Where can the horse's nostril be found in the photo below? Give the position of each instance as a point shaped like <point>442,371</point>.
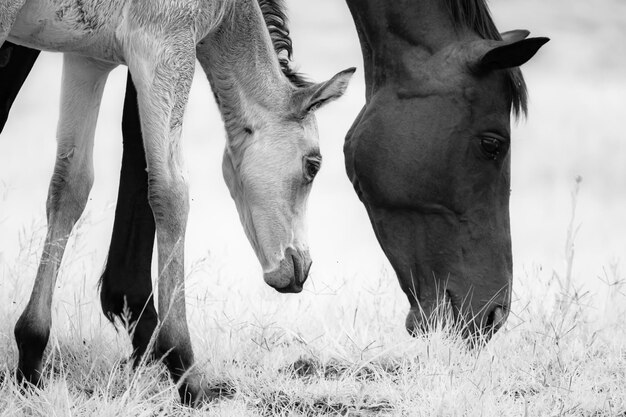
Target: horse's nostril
<point>496,319</point>
<point>448,307</point>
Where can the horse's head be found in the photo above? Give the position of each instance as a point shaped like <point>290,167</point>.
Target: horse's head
<point>269,166</point>
<point>429,158</point>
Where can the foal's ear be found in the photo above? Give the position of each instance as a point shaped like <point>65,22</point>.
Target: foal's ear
<point>312,98</point>
<point>510,53</point>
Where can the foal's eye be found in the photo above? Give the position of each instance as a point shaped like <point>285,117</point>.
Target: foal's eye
<point>312,166</point>
<point>492,147</point>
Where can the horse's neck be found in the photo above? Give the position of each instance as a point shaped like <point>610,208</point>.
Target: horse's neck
<point>388,30</point>
<point>240,62</point>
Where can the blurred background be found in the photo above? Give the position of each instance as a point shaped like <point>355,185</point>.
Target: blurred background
<point>577,87</point>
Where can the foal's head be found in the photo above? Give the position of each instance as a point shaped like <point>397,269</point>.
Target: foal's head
<point>272,154</point>
<point>269,166</point>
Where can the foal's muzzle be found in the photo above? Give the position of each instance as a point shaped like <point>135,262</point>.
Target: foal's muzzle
<point>291,273</point>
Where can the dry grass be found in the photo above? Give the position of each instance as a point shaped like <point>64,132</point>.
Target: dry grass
<point>340,347</point>
<point>561,353</point>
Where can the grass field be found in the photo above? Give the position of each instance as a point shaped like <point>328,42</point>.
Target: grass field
<point>340,347</point>
<point>339,352</point>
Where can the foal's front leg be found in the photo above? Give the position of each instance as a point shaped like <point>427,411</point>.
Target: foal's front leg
<point>162,73</point>
<point>83,83</point>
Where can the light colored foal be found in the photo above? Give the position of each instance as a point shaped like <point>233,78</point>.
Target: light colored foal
<point>272,141</point>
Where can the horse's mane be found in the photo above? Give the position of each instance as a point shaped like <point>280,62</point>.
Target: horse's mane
<point>475,15</point>
<point>276,22</point>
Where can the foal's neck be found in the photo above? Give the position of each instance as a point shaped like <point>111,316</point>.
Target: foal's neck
<point>242,66</point>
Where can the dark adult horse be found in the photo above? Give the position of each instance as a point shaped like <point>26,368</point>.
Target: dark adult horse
<point>429,153</point>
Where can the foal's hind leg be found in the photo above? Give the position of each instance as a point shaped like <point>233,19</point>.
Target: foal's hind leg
<point>126,282</point>
<point>83,83</point>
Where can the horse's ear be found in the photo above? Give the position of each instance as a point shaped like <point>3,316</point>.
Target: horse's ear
<point>312,98</point>
<point>510,54</point>
<point>515,35</point>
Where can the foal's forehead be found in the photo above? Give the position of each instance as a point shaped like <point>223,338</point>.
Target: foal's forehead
<point>309,127</point>
<point>300,134</point>
<point>302,131</point>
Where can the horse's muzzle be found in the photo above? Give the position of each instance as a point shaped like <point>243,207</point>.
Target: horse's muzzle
<point>291,273</point>
<point>477,329</point>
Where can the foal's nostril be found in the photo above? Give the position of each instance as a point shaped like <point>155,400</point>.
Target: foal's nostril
<point>301,266</point>
<point>297,270</point>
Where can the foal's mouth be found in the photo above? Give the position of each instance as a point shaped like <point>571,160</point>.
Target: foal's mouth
<point>295,285</point>
<point>300,274</point>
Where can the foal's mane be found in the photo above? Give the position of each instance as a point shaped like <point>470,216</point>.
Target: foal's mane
<point>475,15</point>
<point>277,24</point>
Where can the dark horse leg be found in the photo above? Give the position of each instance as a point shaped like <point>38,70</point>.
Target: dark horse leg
<point>15,65</point>
<point>126,284</point>
<point>126,287</point>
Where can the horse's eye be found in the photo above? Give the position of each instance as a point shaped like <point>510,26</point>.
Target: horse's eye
<point>492,147</point>
<point>312,166</point>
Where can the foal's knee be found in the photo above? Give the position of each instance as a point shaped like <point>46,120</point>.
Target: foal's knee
<point>70,185</point>
<point>168,195</point>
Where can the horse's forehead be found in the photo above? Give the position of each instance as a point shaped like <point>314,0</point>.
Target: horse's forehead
<point>423,106</point>
<point>460,94</point>
<point>423,134</point>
